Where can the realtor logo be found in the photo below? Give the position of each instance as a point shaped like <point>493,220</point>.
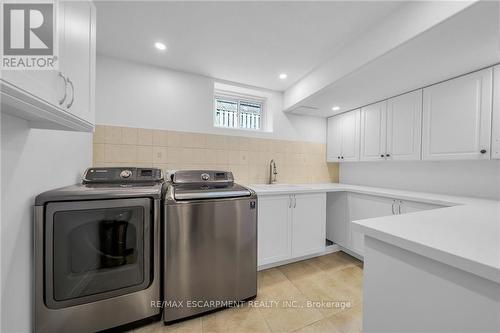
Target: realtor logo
<point>29,40</point>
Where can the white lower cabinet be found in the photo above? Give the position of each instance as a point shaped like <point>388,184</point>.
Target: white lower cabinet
<point>290,226</point>
<point>308,223</point>
<point>337,215</point>
<point>343,208</point>
<point>364,207</point>
<point>273,230</point>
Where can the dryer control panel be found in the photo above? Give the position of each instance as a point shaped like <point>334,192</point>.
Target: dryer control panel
<point>122,175</point>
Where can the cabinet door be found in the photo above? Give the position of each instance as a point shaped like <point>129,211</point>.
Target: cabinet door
<point>337,218</point>
<point>273,229</point>
<point>364,207</point>
<point>350,136</point>
<point>78,57</point>
<point>404,126</point>
<point>373,132</point>
<point>405,207</point>
<point>46,85</point>
<point>308,224</point>
<point>457,118</point>
<point>334,139</point>
<point>495,139</point>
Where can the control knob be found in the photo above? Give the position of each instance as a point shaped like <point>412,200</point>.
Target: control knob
<point>125,174</point>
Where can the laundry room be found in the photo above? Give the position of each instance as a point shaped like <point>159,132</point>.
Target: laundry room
<point>249,166</point>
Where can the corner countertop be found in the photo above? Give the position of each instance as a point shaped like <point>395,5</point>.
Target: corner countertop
<point>464,234</point>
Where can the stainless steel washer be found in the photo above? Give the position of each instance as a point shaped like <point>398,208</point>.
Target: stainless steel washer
<point>97,251</point>
<point>210,243</point>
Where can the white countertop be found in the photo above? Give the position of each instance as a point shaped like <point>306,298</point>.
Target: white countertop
<point>466,234</point>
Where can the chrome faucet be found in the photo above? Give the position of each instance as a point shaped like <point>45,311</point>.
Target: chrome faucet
<point>272,172</point>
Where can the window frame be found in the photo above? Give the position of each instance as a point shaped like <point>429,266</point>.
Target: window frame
<point>238,99</point>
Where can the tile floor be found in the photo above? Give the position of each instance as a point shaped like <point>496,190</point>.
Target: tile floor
<point>327,281</point>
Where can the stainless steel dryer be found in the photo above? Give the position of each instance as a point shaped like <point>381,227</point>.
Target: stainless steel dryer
<point>97,251</point>
<point>210,243</point>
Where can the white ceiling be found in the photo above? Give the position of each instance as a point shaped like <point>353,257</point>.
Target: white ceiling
<point>466,42</point>
<point>245,42</point>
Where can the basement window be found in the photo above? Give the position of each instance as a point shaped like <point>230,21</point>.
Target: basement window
<point>238,112</point>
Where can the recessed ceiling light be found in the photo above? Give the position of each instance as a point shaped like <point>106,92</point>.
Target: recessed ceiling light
<point>283,76</point>
<point>336,108</point>
<point>160,46</point>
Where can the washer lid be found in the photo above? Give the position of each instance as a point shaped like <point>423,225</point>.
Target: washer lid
<point>199,192</point>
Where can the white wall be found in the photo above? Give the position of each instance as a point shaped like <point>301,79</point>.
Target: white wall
<point>32,161</point>
<point>136,95</point>
<point>466,178</point>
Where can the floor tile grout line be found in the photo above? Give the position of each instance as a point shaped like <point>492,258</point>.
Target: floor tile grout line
<point>306,297</point>
<point>265,321</point>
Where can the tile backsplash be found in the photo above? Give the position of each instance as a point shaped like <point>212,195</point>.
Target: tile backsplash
<point>248,158</point>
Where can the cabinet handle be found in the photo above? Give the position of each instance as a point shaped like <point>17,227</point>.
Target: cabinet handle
<point>393,203</point>
<point>72,93</point>
<point>341,157</point>
<point>483,151</point>
<point>399,207</point>
<point>387,155</point>
<point>294,201</point>
<point>61,101</point>
<point>338,157</point>
<point>382,155</point>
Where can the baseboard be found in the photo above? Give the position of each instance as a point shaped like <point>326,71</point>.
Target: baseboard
<point>351,253</point>
<point>329,249</point>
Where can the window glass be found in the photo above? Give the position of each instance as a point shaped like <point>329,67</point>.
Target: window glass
<point>238,113</point>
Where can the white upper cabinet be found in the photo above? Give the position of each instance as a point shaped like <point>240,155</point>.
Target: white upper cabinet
<point>350,136</point>
<point>373,132</point>
<point>495,138</point>
<point>78,57</point>
<point>457,118</point>
<point>48,86</point>
<point>391,130</point>
<point>343,137</point>
<point>334,139</point>
<point>62,99</point>
<point>452,120</point>
<point>404,126</point>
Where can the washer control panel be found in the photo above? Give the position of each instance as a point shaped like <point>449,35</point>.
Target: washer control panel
<point>122,175</point>
<point>202,176</point>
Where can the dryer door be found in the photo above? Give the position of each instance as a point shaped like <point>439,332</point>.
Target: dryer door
<point>96,250</point>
